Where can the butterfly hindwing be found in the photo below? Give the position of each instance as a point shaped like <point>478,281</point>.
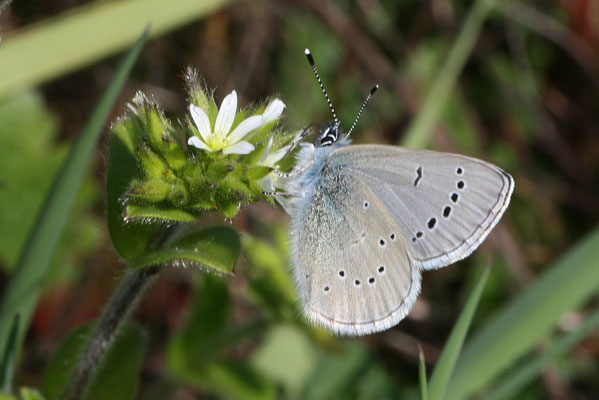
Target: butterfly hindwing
<point>353,270</point>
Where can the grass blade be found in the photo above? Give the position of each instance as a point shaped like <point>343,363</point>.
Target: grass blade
<point>422,374</point>
<point>24,288</point>
<point>445,366</point>
<point>529,318</point>
<point>418,134</point>
<point>510,386</point>
<point>7,366</point>
<point>80,37</point>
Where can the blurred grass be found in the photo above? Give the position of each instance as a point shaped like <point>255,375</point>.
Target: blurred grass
<point>59,45</point>
<point>527,319</point>
<point>452,348</point>
<point>22,293</point>
<point>419,132</point>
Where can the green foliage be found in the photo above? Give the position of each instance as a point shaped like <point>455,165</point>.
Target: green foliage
<point>198,354</point>
<point>117,375</point>
<point>20,53</point>
<point>30,159</point>
<point>527,319</point>
<point>25,286</point>
<point>215,249</point>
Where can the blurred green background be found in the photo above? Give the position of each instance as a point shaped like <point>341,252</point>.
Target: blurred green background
<point>522,86</point>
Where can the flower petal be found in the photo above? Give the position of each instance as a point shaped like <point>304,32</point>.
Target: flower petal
<point>201,120</point>
<point>226,114</point>
<point>275,156</point>
<point>266,151</point>
<point>245,127</point>
<point>239,148</point>
<point>273,110</point>
<point>197,143</point>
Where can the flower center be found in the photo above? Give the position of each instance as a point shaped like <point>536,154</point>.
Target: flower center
<point>216,142</point>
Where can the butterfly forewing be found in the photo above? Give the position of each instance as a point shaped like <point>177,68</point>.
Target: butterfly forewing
<point>444,204</point>
<point>353,270</point>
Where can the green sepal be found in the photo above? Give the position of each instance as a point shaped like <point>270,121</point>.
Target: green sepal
<point>173,152</point>
<point>257,172</point>
<point>178,195</point>
<point>155,125</point>
<point>219,170</point>
<point>229,209</point>
<point>150,191</point>
<point>152,165</point>
<point>159,212</point>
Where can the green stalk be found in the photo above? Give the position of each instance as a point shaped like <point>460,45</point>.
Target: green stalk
<point>419,132</point>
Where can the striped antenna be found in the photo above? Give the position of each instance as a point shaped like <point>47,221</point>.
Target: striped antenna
<point>374,88</point>
<point>311,61</point>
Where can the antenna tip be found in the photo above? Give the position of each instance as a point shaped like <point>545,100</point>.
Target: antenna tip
<point>374,89</point>
<point>309,55</point>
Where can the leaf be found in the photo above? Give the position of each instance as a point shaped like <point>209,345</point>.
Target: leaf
<point>215,249</point>
<point>129,239</point>
<point>117,375</point>
<point>286,356</point>
<point>84,38</point>
<point>7,364</point>
<point>529,318</point>
<point>510,386</point>
<point>451,351</point>
<point>24,288</point>
<point>233,380</point>
<point>334,374</point>
<point>195,354</point>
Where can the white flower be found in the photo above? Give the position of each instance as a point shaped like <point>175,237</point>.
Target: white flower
<point>273,111</point>
<point>222,138</point>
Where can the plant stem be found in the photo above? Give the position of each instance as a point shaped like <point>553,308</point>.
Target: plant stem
<point>123,301</point>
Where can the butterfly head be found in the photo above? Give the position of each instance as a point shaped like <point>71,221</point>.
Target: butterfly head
<point>330,133</point>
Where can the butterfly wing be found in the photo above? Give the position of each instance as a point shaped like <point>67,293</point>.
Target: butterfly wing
<point>444,204</point>
<point>350,257</point>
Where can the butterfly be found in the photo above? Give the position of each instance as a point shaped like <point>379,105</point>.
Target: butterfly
<point>368,219</point>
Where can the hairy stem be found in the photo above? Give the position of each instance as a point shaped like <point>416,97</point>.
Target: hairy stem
<point>118,309</point>
<point>123,301</point>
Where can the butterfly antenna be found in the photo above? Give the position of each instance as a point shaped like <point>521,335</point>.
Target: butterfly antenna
<point>311,61</point>
<point>374,89</point>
